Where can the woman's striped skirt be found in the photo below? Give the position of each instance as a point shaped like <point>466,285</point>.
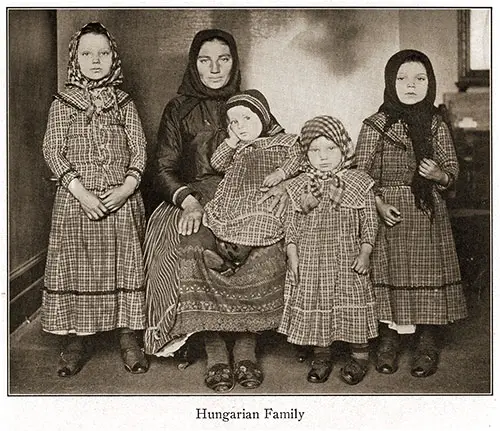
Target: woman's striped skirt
<point>185,297</point>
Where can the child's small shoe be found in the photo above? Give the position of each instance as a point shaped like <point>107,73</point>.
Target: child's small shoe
<point>74,356</point>
<point>353,371</point>
<point>234,254</point>
<point>302,353</point>
<point>320,370</point>
<point>213,260</point>
<point>134,360</point>
<point>217,263</point>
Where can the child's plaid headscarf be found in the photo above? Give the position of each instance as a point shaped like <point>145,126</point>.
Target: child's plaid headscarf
<point>96,91</point>
<point>334,130</point>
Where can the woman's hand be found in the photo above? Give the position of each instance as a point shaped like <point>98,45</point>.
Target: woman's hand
<point>430,170</point>
<point>278,196</point>
<point>191,216</point>
<point>293,262</point>
<point>273,179</point>
<point>115,198</point>
<point>361,263</point>
<point>388,213</point>
<point>91,205</point>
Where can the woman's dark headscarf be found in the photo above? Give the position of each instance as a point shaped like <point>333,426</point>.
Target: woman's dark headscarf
<point>417,117</point>
<point>191,82</point>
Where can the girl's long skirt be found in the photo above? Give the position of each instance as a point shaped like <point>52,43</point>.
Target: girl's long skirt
<point>94,277</point>
<point>249,300</point>
<point>416,273</point>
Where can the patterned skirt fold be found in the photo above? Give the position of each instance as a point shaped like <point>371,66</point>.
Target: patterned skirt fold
<point>416,274</point>
<point>94,277</point>
<point>249,300</point>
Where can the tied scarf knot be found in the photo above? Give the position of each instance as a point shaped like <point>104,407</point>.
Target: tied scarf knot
<point>315,189</point>
<point>98,98</point>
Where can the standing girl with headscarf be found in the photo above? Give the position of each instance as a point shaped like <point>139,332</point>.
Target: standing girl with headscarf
<point>407,149</point>
<point>95,146</point>
<point>330,230</point>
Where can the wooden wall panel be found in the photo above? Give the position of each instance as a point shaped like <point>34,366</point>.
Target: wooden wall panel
<point>32,50</point>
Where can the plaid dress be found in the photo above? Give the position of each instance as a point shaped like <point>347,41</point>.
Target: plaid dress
<point>233,214</point>
<point>415,273</point>
<point>331,302</point>
<point>94,278</point>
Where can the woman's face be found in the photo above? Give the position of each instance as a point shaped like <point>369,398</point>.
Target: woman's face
<point>411,83</point>
<point>94,56</point>
<point>214,64</point>
<point>323,154</point>
<point>244,122</point>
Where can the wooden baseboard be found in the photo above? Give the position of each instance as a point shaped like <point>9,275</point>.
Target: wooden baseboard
<point>25,295</point>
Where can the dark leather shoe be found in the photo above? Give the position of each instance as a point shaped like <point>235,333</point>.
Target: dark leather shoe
<point>426,357</point>
<point>424,364</point>
<point>302,353</point>
<point>320,371</point>
<point>387,361</point>
<point>74,356</point>
<point>217,263</point>
<point>353,372</point>
<point>387,351</point>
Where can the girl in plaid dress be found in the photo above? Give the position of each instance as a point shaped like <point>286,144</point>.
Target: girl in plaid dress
<point>407,149</point>
<point>330,230</point>
<point>256,155</point>
<point>95,145</point>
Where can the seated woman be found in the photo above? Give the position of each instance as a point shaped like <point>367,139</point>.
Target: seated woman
<point>192,127</point>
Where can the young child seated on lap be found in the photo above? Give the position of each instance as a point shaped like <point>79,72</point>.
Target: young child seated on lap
<point>258,154</point>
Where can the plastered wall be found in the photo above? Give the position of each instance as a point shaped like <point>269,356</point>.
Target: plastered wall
<point>306,61</point>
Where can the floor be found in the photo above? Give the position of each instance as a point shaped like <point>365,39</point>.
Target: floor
<point>464,366</point>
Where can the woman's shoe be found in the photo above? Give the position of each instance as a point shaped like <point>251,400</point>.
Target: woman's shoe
<point>320,370</point>
<point>220,378</point>
<point>74,357</point>
<point>184,355</point>
<point>248,374</point>
<point>353,372</point>
<point>134,360</point>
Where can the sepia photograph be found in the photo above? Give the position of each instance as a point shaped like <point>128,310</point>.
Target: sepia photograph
<point>248,212</point>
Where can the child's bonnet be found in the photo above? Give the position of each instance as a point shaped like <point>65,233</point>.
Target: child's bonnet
<point>347,187</point>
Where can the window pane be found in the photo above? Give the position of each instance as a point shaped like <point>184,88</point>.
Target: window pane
<point>480,39</point>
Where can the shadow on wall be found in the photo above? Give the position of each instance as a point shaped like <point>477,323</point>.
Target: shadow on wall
<point>323,36</point>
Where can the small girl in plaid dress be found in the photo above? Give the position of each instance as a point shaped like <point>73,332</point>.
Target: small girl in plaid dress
<point>256,156</point>
<point>95,145</point>
<point>330,230</point>
<point>408,150</point>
